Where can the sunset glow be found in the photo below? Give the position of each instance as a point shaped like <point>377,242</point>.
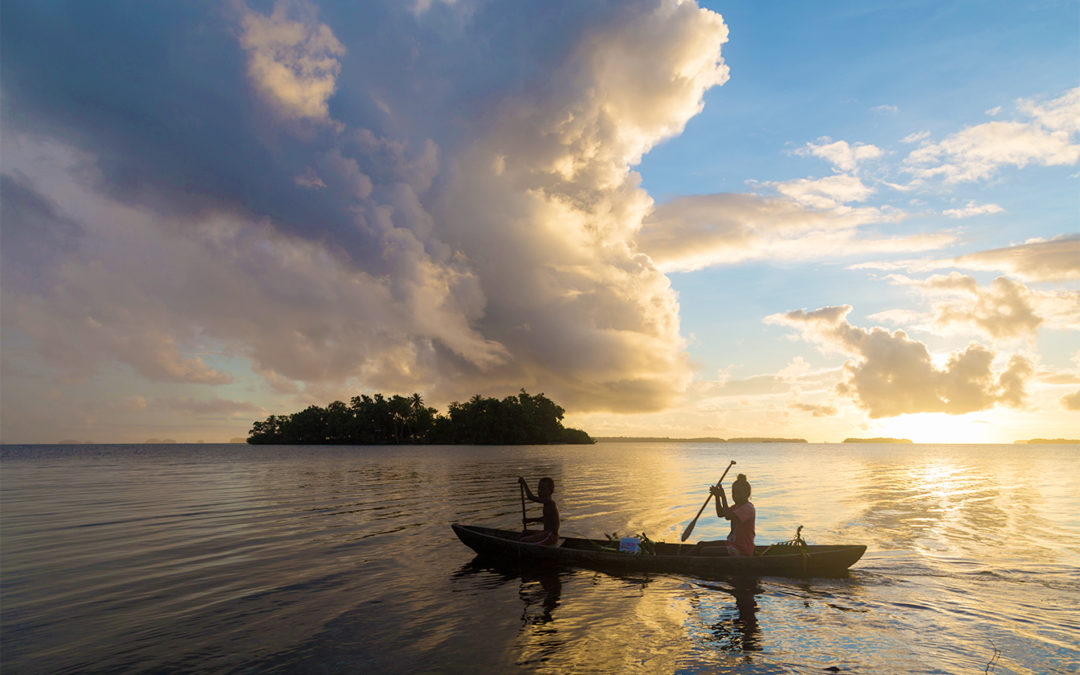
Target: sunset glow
<point>674,218</point>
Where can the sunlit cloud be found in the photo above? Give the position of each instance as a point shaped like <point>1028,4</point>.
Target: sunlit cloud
<point>1052,260</point>
<point>915,137</point>
<point>112,305</point>
<point>972,209</point>
<point>1055,259</point>
<point>976,153</point>
<point>1071,401</point>
<point>488,254</point>
<point>817,410</point>
<point>293,59</point>
<point>296,201</point>
<point>890,374</point>
<point>824,193</point>
<point>1002,310</point>
<point>843,156</point>
<point>689,233</point>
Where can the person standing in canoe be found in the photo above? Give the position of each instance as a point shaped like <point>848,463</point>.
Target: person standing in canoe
<point>740,541</point>
<point>549,536</point>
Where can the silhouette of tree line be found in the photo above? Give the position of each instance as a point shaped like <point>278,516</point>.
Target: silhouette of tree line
<point>377,420</point>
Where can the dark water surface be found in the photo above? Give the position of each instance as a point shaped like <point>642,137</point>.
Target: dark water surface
<point>322,559</point>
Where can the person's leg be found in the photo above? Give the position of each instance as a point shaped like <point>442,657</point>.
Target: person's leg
<point>536,537</point>
<point>712,548</point>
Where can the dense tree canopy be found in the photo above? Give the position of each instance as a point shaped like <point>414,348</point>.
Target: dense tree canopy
<point>521,419</point>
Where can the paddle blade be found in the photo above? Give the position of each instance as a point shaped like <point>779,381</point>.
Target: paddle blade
<point>688,530</point>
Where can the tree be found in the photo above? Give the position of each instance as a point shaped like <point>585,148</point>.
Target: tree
<point>399,419</point>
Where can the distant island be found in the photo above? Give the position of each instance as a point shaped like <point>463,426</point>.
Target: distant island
<point>757,439</point>
<point>877,440</point>
<point>377,420</point>
<point>1051,441</point>
<point>705,439</point>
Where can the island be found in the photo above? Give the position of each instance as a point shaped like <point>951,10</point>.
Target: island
<point>763,439</point>
<point>1051,441</point>
<point>397,420</point>
<point>877,440</point>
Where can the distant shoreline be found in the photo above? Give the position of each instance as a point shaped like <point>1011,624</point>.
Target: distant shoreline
<point>704,439</point>
<point>878,440</point>
<point>603,439</point>
<point>1050,441</point>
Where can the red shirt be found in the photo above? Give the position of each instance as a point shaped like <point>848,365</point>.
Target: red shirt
<point>742,528</point>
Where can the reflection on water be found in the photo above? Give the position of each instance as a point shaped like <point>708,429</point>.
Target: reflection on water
<point>736,628</point>
<point>342,560</point>
<point>539,589</point>
<point>953,509</point>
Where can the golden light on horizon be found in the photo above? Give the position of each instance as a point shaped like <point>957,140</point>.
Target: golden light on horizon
<point>942,428</point>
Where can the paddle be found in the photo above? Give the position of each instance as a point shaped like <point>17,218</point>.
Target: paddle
<point>690,527</point>
<point>524,525</point>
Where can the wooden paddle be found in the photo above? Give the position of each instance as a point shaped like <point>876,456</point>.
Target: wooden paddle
<point>524,525</point>
<point>690,527</point>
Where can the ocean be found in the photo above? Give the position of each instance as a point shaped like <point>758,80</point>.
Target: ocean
<point>234,558</point>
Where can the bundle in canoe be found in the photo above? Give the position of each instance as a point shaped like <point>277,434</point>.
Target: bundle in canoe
<point>803,561</point>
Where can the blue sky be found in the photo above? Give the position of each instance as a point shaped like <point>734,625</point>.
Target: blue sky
<point>675,219</point>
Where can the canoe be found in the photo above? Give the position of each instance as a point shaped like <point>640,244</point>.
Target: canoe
<point>804,561</point>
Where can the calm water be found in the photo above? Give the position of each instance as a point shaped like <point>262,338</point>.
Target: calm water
<point>234,558</point>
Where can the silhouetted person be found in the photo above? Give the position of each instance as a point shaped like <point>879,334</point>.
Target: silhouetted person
<point>550,534</point>
<point>740,541</point>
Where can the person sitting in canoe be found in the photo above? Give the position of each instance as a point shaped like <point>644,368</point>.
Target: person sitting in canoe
<point>549,536</point>
<point>740,541</point>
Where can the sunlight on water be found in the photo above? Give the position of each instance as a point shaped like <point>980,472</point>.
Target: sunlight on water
<point>342,559</point>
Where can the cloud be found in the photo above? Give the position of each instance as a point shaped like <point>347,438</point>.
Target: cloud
<point>1060,114</point>
<point>1056,259</point>
<point>817,410</point>
<point>890,374</point>
<point>144,295</point>
<point>694,232</point>
<point>34,236</point>
<point>1038,260</point>
<point>839,153</point>
<point>1071,401</point>
<point>215,407</point>
<point>437,206</point>
<point>972,209</point>
<point>1002,310</point>
<point>824,193</point>
<point>292,58</point>
<point>915,137</point>
<point>976,153</point>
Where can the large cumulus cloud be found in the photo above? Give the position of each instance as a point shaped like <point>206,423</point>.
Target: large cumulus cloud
<point>890,374</point>
<point>437,198</point>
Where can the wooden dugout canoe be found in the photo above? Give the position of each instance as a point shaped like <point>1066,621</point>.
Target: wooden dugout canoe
<point>811,561</point>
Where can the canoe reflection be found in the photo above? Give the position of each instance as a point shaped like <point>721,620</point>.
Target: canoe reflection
<point>736,626</point>
<point>540,587</point>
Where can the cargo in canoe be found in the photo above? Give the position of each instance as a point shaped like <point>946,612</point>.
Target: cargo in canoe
<point>802,561</point>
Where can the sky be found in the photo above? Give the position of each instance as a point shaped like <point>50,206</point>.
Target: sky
<point>675,219</point>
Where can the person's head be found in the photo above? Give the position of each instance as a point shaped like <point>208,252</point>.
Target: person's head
<point>546,487</point>
<point>740,489</point>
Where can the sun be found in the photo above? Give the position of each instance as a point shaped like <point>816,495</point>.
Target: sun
<point>941,428</point>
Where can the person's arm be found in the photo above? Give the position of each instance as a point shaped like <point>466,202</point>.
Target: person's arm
<point>529,494</point>
<point>722,510</point>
